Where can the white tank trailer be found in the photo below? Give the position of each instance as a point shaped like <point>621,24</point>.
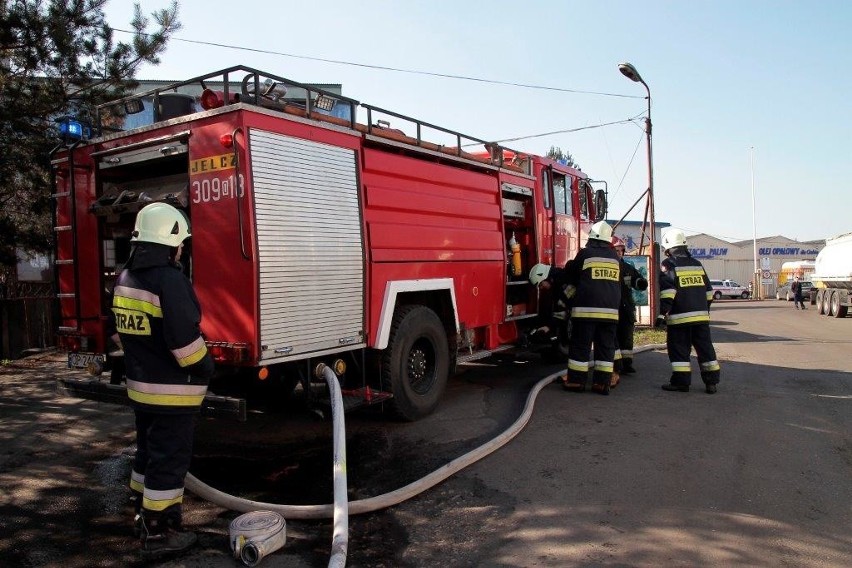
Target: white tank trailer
<point>832,277</point>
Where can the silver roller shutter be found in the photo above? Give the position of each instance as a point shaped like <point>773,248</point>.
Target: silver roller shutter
<point>310,250</point>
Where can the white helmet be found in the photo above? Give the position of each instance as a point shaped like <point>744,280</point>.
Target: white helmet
<point>601,231</point>
<point>161,223</point>
<point>673,238</point>
<point>538,273</point>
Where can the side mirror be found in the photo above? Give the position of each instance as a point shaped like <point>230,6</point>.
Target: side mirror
<point>600,205</point>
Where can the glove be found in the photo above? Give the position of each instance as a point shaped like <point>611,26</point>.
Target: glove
<point>641,284</point>
<point>661,322</point>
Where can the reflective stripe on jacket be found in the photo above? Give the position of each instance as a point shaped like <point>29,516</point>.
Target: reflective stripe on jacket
<point>157,315</point>
<point>594,282</point>
<point>685,290</point>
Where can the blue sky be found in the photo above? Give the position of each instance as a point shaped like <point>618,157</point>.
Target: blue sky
<point>725,77</point>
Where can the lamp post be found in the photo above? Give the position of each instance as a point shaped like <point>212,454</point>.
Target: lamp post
<point>631,73</point>
<point>758,285</point>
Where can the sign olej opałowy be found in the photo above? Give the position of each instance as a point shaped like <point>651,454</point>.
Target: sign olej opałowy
<point>787,251</point>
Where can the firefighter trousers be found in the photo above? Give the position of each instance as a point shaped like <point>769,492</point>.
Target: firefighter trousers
<point>163,454</point>
<point>584,333</point>
<point>680,339</point>
<point>624,335</point>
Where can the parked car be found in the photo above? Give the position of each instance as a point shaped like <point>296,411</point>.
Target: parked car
<point>784,292</point>
<point>729,289</point>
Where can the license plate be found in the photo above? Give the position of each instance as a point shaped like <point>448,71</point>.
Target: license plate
<point>82,360</point>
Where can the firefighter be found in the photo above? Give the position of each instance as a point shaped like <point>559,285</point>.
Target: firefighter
<point>555,322</point>
<point>631,279</point>
<point>551,280</point>
<point>594,288</point>
<point>685,298</point>
<point>157,316</point>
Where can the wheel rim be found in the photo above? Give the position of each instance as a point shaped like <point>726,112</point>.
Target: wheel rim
<point>420,366</point>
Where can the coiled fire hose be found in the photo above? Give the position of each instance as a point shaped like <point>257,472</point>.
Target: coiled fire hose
<point>256,534</point>
<point>378,502</point>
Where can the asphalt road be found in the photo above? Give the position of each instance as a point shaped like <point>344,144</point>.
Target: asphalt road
<point>759,474</point>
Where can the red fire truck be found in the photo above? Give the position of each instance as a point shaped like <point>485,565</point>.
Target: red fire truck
<point>316,236</point>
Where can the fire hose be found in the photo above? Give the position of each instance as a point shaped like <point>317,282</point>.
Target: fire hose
<point>340,509</point>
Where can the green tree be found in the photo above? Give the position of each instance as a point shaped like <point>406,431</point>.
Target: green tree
<point>57,57</point>
<point>556,153</point>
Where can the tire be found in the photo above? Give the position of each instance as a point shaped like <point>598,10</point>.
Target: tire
<point>717,295</point>
<point>415,365</point>
<point>837,310</point>
<point>820,307</point>
<point>744,295</point>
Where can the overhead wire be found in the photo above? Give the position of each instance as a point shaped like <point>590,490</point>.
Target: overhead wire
<point>394,69</point>
<point>566,130</point>
<point>627,169</point>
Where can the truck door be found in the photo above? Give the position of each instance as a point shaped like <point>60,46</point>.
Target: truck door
<point>559,226</point>
<point>585,210</point>
<point>565,223</point>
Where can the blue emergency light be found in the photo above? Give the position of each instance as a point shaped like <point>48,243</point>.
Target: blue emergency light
<point>71,128</point>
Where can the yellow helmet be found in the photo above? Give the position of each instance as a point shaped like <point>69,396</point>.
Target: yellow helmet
<point>538,273</point>
<point>162,224</point>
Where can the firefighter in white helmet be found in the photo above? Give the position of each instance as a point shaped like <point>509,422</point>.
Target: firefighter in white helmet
<point>555,308</point>
<point>631,279</point>
<point>593,280</point>
<point>685,298</point>
<point>539,274</point>
<point>157,316</point>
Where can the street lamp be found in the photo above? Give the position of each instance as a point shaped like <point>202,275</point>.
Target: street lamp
<point>631,73</point>
<point>758,285</point>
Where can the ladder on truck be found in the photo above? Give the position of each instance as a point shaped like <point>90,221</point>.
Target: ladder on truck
<point>66,272</point>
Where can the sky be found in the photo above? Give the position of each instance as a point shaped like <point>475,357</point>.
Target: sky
<point>750,99</point>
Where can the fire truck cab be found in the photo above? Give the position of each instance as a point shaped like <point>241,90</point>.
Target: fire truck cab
<point>317,237</point>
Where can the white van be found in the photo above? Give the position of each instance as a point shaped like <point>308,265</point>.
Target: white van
<point>729,289</point>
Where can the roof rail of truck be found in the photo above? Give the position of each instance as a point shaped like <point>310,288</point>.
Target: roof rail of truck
<point>241,84</point>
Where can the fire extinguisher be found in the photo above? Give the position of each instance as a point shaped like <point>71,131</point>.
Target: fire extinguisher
<point>516,256</point>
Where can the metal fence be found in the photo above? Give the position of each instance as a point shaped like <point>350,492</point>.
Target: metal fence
<point>28,315</point>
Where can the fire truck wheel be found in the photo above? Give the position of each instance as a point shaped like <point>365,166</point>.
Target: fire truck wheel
<point>415,366</point>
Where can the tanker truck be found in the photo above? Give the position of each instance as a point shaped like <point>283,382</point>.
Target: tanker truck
<point>832,277</point>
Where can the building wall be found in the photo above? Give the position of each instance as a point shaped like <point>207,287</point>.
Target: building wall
<point>631,231</point>
<point>723,259</point>
<point>730,260</point>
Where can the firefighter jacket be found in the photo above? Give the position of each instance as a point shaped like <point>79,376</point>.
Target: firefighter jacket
<point>594,282</point>
<point>630,279</point>
<point>557,287</point>
<point>685,290</point>
<point>157,315</point>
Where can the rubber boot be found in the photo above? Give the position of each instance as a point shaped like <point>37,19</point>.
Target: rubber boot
<point>136,500</point>
<point>159,539</point>
<point>614,380</point>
